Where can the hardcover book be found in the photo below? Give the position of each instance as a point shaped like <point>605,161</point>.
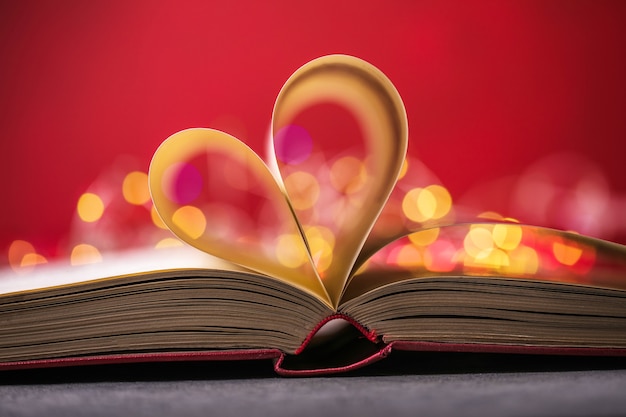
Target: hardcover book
<point>325,258</point>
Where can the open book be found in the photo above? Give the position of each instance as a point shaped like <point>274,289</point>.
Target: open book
<point>325,259</point>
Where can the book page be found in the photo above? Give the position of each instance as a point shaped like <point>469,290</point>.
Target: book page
<point>497,250</point>
<point>306,222</point>
<point>340,136</point>
<point>113,264</point>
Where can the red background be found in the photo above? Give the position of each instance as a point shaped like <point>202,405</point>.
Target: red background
<point>489,87</point>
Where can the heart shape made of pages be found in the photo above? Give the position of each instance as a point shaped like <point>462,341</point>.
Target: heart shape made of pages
<point>339,135</point>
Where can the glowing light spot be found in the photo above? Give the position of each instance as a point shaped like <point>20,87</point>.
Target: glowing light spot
<point>422,204</point>
<point>32,259</point>
<point>440,256</point>
<point>491,215</point>
<point>303,190</point>
<point>320,232</point>
<point>411,206</point>
<point>90,207</point>
<point>23,257</point>
<point>292,144</point>
<point>290,251</point>
<point>156,219</point>
<point>523,260</point>
<point>403,169</point>
<point>321,250</point>
<point>477,241</point>
<point>182,183</point>
<point>190,220</point>
<point>490,258</point>
<point>17,250</point>
<point>424,237</point>
<point>135,188</point>
<point>426,204</point>
<point>85,254</point>
<point>443,200</point>
<point>409,256</point>
<point>567,254</point>
<point>168,242</point>
<point>348,175</point>
<point>507,236</point>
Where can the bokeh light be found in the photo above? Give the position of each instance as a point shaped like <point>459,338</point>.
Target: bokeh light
<point>488,245</point>
<point>410,206</point>
<point>23,257</point>
<point>32,259</point>
<point>491,258</point>
<point>429,203</point>
<point>348,175</point>
<point>524,261</point>
<point>304,190</point>
<point>90,207</point>
<point>17,250</point>
<point>440,256</point>
<point>135,188</point>
<point>190,220</point>
<point>128,220</point>
<point>408,210</point>
<point>168,242</point>
<point>321,242</point>
<point>478,241</point>
<point>85,254</point>
<point>182,183</point>
<point>407,256</point>
<point>292,144</point>
<point>289,251</point>
<point>566,190</point>
<point>566,253</point>
<point>425,237</point>
<point>507,236</point>
<point>443,200</point>
<point>490,215</point>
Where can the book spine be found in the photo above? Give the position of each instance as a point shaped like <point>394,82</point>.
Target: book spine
<point>369,334</point>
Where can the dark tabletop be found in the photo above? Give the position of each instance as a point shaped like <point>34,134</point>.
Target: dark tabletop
<point>402,385</point>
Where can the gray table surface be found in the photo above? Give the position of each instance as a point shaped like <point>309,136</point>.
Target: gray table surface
<point>410,385</point>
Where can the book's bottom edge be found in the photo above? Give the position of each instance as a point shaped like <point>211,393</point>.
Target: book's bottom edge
<point>127,358</point>
<point>424,346</point>
<point>280,357</point>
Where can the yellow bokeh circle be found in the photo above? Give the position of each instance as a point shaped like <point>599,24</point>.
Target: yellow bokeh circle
<point>90,207</point>
<point>135,188</point>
